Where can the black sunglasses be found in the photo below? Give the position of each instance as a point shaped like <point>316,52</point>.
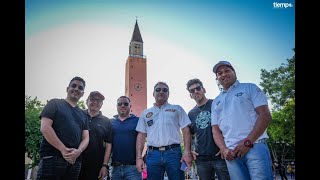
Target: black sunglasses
<point>198,88</point>
<point>163,89</point>
<point>81,88</point>
<point>124,103</point>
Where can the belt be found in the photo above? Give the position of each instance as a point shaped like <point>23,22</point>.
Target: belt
<point>163,148</point>
<point>115,164</point>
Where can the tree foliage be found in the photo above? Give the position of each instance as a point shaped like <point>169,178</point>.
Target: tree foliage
<point>81,104</point>
<point>279,85</point>
<point>33,108</point>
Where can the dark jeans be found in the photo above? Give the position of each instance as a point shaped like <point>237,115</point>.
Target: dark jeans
<point>206,169</point>
<point>57,168</point>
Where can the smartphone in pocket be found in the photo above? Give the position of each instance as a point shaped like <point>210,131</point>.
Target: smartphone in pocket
<point>184,166</point>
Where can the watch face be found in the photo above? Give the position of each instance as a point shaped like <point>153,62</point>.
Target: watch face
<point>247,143</point>
<point>138,86</point>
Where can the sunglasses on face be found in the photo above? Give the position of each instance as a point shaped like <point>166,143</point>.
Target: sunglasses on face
<point>163,89</point>
<point>81,88</point>
<point>124,103</point>
<point>198,88</point>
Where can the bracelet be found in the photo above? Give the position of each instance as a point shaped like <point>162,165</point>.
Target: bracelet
<point>105,165</point>
<point>139,158</point>
<point>187,153</point>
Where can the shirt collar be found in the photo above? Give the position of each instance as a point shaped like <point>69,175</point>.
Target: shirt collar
<point>163,105</point>
<point>234,85</point>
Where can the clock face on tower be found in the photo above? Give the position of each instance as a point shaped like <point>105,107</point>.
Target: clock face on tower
<point>137,86</point>
<point>137,49</point>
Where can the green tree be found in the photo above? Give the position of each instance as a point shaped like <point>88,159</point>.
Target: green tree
<point>279,85</point>
<point>33,108</point>
<point>81,104</point>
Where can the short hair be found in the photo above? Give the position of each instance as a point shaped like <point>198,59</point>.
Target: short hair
<point>123,97</point>
<point>192,82</point>
<point>78,79</point>
<point>160,82</point>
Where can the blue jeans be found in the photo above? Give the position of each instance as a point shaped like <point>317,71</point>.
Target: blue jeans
<point>206,169</point>
<point>57,168</point>
<point>127,172</point>
<point>160,161</point>
<point>256,164</point>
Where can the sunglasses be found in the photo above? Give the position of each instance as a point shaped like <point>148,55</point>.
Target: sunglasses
<point>163,89</point>
<point>124,103</point>
<point>81,88</point>
<point>198,88</point>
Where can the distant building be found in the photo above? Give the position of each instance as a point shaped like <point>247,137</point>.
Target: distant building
<point>136,74</point>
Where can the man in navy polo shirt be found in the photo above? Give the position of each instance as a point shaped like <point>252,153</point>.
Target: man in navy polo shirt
<point>124,142</point>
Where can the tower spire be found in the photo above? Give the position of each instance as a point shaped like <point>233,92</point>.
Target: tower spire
<point>136,36</point>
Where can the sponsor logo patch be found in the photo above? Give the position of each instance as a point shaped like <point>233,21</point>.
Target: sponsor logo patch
<point>149,114</point>
<point>150,122</point>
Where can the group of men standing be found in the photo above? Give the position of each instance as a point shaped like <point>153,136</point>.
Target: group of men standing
<point>225,136</point>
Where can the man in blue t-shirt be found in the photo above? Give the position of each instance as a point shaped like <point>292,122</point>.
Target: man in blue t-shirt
<point>124,142</point>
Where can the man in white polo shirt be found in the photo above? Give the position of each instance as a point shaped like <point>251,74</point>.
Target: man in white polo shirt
<point>239,119</point>
<point>161,124</point>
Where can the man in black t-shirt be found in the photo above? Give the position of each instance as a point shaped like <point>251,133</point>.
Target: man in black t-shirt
<point>64,127</point>
<point>206,152</point>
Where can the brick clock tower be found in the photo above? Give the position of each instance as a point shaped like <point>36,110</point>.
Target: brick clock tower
<point>136,74</point>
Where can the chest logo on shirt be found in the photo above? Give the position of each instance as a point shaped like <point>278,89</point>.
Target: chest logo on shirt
<point>171,110</point>
<point>239,94</point>
<point>150,122</point>
<point>203,120</point>
<point>149,114</point>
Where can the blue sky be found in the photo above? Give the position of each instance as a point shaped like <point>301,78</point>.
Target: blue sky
<point>182,40</point>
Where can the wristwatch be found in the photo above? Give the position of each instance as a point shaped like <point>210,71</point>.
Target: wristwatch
<point>247,143</point>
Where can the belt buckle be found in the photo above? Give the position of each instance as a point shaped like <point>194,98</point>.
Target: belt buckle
<point>162,148</point>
